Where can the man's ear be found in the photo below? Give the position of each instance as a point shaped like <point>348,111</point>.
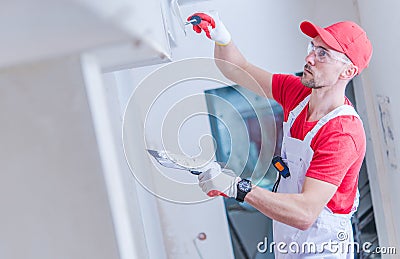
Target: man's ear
<point>349,72</point>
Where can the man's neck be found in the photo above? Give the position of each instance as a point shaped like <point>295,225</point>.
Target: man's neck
<point>324,100</point>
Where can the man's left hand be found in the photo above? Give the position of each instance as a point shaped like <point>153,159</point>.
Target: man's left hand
<point>216,181</point>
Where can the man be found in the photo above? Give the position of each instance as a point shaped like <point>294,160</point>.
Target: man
<point>323,144</point>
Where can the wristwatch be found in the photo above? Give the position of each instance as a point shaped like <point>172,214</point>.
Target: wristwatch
<point>243,188</point>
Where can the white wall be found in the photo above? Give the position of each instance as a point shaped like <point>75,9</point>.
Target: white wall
<point>63,190</point>
<point>54,200</point>
<point>380,20</point>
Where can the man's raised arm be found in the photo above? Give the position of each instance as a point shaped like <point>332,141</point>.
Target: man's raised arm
<point>233,65</point>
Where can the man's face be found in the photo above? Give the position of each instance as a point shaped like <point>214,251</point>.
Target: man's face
<point>323,65</point>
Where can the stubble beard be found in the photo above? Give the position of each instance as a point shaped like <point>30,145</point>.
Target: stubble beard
<point>310,83</point>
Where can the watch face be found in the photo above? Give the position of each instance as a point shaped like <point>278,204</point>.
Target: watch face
<point>244,186</point>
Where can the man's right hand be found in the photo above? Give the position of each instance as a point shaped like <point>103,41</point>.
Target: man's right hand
<point>241,72</point>
<point>213,27</point>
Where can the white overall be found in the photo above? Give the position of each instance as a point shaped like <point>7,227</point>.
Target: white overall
<point>329,227</point>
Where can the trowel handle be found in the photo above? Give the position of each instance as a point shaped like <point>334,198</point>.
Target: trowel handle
<point>195,172</point>
<point>194,20</point>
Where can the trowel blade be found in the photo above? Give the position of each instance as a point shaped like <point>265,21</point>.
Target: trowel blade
<point>176,161</point>
<point>163,159</point>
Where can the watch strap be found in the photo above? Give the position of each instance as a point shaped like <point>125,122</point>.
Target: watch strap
<point>240,195</point>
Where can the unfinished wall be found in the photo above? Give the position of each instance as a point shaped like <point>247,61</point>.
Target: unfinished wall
<point>52,190</point>
<point>380,20</point>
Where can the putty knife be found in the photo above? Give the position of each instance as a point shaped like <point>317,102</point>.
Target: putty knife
<point>171,160</point>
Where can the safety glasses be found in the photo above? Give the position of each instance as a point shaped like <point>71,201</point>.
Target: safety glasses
<point>326,56</point>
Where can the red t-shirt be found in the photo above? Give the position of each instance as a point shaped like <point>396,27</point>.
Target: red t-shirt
<point>339,146</point>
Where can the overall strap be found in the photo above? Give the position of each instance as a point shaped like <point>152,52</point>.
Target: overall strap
<point>339,111</point>
<point>296,111</point>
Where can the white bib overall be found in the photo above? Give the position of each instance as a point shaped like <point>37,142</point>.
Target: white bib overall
<point>329,227</point>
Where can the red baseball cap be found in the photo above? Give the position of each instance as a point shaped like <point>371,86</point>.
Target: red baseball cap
<point>346,37</point>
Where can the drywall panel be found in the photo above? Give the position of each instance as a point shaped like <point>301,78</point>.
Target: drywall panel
<point>107,119</point>
<point>142,205</point>
<point>123,33</point>
<point>379,20</point>
<point>147,23</point>
<point>52,190</point>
